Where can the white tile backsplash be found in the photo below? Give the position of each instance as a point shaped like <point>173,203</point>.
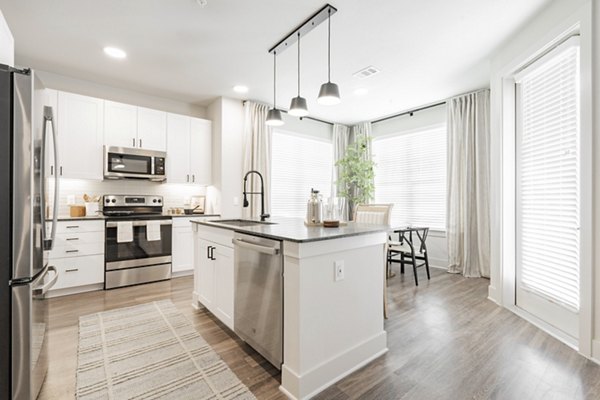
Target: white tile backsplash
<point>175,195</point>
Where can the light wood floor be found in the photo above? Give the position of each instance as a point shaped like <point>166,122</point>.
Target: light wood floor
<point>446,341</point>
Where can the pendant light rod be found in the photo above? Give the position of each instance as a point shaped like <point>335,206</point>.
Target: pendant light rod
<point>329,46</point>
<point>308,25</point>
<point>275,79</point>
<point>298,64</point>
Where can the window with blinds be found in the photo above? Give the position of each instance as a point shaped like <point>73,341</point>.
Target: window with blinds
<point>411,174</point>
<point>298,163</point>
<point>548,176</point>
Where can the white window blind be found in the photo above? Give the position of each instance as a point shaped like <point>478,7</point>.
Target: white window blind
<point>411,174</point>
<point>299,163</point>
<point>548,171</point>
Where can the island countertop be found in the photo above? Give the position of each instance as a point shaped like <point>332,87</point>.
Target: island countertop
<point>294,230</point>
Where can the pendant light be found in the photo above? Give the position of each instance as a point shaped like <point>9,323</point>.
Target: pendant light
<point>274,115</point>
<point>330,92</point>
<point>298,106</point>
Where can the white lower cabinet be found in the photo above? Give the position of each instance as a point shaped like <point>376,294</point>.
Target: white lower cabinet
<point>78,271</point>
<point>183,245</point>
<point>213,274</point>
<point>78,256</point>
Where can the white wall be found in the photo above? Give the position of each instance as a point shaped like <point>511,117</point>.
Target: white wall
<point>227,162</point>
<point>536,36</point>
<point>87,88</point>
<point>437,243</point>
<point>7,43</point>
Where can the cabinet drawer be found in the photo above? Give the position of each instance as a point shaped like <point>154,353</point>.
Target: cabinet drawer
<point>77,244</point>
<point>78,271</point>
<point>77,226</point>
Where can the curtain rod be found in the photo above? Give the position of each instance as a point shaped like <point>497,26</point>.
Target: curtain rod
<point>408,112</point>
<point>414,110</point>
<point>301,118</point>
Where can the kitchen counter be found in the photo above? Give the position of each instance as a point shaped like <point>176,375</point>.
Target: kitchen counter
<point>294,230</point>
<point>101,217</point>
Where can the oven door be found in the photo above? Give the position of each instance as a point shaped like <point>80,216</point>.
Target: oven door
<point>121,165</point>
<point>140,251</point>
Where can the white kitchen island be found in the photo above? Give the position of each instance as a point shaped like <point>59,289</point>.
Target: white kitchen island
<point>332,324</point>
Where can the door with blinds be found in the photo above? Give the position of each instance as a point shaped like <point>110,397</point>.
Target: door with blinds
<point>548,188</point>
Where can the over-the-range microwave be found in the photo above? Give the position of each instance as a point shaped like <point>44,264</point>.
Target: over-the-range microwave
<point>123,162</point>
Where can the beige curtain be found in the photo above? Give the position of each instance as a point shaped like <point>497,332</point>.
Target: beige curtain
<point>257,156</point>
<point>468,218</point>
<point>341,137</point>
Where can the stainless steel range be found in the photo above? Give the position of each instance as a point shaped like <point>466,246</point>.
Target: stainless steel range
<point>138,240</point>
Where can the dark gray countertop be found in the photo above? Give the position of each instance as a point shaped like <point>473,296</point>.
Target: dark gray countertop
<point>102,217</point>
<point>294,230</point>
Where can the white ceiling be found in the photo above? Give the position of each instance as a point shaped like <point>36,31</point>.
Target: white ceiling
<point>426,50</point>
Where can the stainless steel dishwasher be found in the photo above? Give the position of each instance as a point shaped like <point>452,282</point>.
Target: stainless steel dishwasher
<point>258,310</point>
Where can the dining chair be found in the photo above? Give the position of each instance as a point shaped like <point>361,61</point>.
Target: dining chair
<point>376,214</point>
<point>411,247</point>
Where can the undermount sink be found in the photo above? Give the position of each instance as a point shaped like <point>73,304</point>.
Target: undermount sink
<point>241,222</point>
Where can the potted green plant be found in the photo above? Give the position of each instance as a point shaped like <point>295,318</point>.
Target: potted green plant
<point>355,181</point>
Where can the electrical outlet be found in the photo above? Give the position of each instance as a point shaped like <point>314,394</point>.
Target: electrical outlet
<point>338,267</point>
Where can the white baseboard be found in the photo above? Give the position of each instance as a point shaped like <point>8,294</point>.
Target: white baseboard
<point>320,377</point>
<point>74,290</point>
<point>595,351</point>
<point>546,327</point>
<point>179,274</point>
<point>493,295</point>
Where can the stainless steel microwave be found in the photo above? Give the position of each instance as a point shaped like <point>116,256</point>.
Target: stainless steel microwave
<point>122,162</point>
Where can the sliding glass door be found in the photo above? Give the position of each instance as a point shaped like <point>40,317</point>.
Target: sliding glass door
<point>548,188</point>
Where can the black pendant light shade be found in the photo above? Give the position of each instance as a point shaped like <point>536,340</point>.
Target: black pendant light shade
<point>330,92</point>
<point>274,117</point>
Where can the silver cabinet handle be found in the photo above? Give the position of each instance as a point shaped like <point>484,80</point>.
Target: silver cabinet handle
<point>71,251</point>
<point>140,143</point>
<point>193,178</point>
<point>72,270</point>
<point>188,177</point>
<point>70,239</point>
<point>255,247</point>
<point>72,226</point>
<point>133,141</point>
<point>61,170</point>
<point>52,170</point>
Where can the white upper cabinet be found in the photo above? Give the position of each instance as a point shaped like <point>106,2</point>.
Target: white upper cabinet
<point>151,129</point>
<point>188,150</point>
<point>120,124</point>
<point>130,126</point>
<point>178,148</point>
<point>200,151</point>
<point>79,131</point>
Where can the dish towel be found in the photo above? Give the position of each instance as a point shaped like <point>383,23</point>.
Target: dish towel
<point>152,230</point>
<point>124,231</point>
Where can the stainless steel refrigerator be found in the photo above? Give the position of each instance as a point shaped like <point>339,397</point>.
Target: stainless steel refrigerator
<point>26,127</point>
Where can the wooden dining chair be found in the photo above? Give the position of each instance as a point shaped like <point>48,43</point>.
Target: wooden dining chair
<point>379,214</point>
<point>411,247</point>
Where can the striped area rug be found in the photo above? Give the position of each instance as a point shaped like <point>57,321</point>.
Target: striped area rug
<point>150,351</point>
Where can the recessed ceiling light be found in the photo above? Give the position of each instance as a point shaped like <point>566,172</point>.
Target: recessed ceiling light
<point>240,89</point>
<point>114,52</point>
<point>361,91</point>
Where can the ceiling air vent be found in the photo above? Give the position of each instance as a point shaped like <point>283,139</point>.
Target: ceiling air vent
<point>366,72</point>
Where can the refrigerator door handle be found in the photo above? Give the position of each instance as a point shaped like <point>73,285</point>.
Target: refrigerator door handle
<point>49,119</point>
<point>41,290</point>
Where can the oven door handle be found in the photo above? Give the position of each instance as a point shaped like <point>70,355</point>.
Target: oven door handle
<point>113,224</point>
